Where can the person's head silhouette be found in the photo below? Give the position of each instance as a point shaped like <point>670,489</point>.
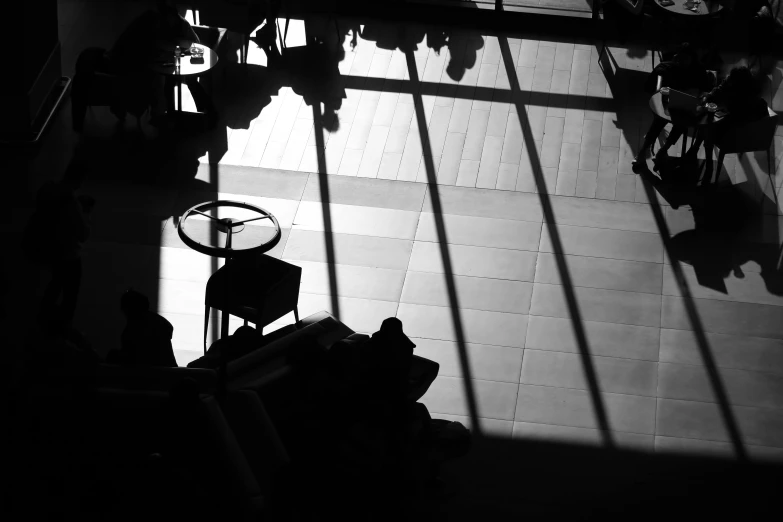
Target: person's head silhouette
<point>134,304</point>
<point>391,334</point>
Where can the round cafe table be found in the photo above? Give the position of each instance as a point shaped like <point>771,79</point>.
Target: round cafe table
<point>186,67</point>
<point>659,107</point>
<point>683,25</point>
<point>705,8</point>
<point>229,229</point>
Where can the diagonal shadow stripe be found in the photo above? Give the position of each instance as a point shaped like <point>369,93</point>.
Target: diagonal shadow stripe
<point>718,387</point>
<point>565,276</point>
<point>471,92</point>
<point>448,272</point>
<point>323,185</point>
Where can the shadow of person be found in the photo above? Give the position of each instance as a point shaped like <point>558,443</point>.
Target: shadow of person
<point>241,101</point>
<point>314,74</point>
<point>437,38</point>
<point>463,50</point>
<point>728,234</point>
<point>391,37</point>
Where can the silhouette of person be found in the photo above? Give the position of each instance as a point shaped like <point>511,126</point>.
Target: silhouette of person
<point>738,93</point>
<point>152,37</point>
<point>53,238</point>
<point>684,71</point>
<point>146,339</point>
<point>243,341</point>
<point>463,50</point>
<point>266,36</point>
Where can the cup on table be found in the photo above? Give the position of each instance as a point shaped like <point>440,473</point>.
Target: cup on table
<point>712,107</point>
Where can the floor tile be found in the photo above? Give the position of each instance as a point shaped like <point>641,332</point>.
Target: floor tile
<point>384,112</point>
<point>487,203</point>
<point>695,383</point>
<point>695,447</point>
<point>349,249</point>
<point>566,183</point>
<point>496,125</point>
<point>724,317</point>
<point>609,306</point>
<point>181,297</point>
<point>600,242</point>
<point>516,265</point>
<point>349,165</point>
<point>475,293</point>
<point>493,399</point>
<point>479,231</point>
<point>380,284</point>
<point>490,162</point>
<point>569,157</point>
<point>586,183</point>
<point>604,214</point>
<point>591,139</point>
<point>704,420</point>
<point>507,176</point>
<point>581,436</point>
<point>184,264</point>
<point>292,155</point>
<point>369,193</point>
<point>566,370</point>
<point>606,339</point>
<point>568,407</point>
<point>476,132</point>
<point>390,165</point>
<point>373,153</point>
<point>727,351</point>
<point>489,427</point>
<point>468,173</point>
<point>364,315</point>
<point>610,133</point>
<point>625,187</point>
<point>527,53</point>
<point>480,327</point>
<point>750,288</point>
<point>352,219</point>
<point>460,115</point>
<point>492,363</point>
<point>438,129</point>
<point>595,272</point>
<point>448,170</point>
<point>513,143</point>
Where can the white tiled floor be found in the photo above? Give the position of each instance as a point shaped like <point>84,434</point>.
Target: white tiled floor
<point>522,333</point>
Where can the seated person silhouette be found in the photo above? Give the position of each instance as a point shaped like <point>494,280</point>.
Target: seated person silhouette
<point>243,341</point>
<point>152,38</point>
<point>738,95</point>
<point>54,237</point>
<point>146,340</point>
<point>383,376</point>
<point>683,72</point>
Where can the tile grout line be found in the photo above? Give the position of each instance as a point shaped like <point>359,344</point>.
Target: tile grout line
<point>527,328</point>
<point>658,364</point>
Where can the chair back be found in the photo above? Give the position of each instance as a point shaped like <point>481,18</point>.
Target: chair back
<point>632,6</point>
<point>751,136</point>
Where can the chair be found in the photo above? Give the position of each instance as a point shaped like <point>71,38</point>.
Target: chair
<point>96,85</point>
<point>755,136</point>
<point>257,288</point>
<point>238,16</point>
<point>214,38</point>
<point>635,7</point>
